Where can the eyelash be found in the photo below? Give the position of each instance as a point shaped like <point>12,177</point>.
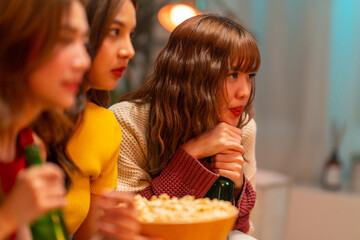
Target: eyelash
<point>236,74</point>
<point>252,76</point>
<point>114,32</point>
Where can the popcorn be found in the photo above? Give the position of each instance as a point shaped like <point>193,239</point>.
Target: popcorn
<point>164,209</point>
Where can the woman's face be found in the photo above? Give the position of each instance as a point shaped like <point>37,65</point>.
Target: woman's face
<point>115,51</point>
<point>237,91</point>
<point>56,82</point>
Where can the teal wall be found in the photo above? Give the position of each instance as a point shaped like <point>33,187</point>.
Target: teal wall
<point>344,75</point>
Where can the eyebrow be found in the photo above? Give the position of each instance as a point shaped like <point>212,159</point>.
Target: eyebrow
<point>73,30</point>
<point>121,24</point>
<point>118,22</point>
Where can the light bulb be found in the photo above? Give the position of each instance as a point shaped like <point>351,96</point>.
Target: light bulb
<point>181,12</point>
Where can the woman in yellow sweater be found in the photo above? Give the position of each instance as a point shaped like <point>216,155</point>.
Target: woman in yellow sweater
<point>94,147</point>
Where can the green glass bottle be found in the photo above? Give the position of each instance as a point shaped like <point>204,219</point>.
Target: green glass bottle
<point>223,188</point>
<point>50,226</point>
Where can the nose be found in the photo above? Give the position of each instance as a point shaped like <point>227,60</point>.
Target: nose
<point>126,49</point>
<point>82,59</point>
<point>243,87</point>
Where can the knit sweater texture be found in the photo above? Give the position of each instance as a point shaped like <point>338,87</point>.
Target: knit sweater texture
<point>94,148</point>
<point>184,175</point>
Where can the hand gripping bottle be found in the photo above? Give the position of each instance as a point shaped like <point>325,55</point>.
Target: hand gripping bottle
<point>223,188</point>
<point>50,226</point>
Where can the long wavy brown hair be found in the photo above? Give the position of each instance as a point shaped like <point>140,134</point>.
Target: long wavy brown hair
<point>186,87</point>
<point>29,31</point>
<point>100,15</point>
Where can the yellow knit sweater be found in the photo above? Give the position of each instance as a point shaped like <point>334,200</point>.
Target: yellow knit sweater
<point>94,148</point>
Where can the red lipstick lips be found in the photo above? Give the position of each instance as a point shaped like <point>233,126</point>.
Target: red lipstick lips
<point>118,71</point>
<point>237,111</point>
<point>72,87</point>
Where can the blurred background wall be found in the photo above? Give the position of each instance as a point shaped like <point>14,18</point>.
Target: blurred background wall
<point>309,80</point>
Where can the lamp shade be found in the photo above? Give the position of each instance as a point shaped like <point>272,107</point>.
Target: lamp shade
<point>170,16</point>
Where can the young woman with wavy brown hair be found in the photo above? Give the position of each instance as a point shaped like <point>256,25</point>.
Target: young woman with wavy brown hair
<point>196,104</point>
<point>42,63</point>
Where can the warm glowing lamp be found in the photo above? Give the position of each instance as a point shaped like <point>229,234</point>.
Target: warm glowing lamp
<point>172,15</point>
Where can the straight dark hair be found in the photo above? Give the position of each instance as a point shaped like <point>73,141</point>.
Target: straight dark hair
<point>100,15</point>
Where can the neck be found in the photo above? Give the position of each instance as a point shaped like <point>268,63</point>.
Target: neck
<point>8,138</point>
<point>8,145</point>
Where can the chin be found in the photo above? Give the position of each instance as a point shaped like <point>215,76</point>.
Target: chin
<point>66,104</point>
<point>232,122</point>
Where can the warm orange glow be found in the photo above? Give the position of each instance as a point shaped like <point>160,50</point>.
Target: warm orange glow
<point>172,15</point>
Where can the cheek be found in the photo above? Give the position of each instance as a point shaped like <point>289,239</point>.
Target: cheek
<point>107,51</point>
<point>96,71</point>
<point>43,76</point>
<point>101,62</point>
<point>47,76</point>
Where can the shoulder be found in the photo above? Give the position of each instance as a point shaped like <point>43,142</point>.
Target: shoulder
<point>98,123</point>
<point>130,112</point>
<point>95,113</point>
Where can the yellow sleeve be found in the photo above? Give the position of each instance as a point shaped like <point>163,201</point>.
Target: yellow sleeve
<point>107,180</point>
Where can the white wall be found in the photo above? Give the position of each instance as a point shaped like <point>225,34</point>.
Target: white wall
<point>322,215</point>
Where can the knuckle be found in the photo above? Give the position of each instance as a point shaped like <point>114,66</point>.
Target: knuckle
<point>238,168</point>
<point>222,140</point>
<point>222,124</point>
<point>240,160</point>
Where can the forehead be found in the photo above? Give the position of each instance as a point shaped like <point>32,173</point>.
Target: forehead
<point>75,19</point>
<point>126,14</point>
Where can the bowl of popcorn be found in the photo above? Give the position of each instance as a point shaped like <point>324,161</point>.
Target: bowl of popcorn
<point>186,218</point>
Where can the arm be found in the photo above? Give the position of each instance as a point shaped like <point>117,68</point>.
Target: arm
<point>88,228</point>
<point>231,164</point>
<point>246,197</point>
<point>131,162</point>
<point>249,142</point>
<point>245,203</point>
<point>97,162</point>
<point>184,175</point>
<point>184,172</point>
<point>8,223</point>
